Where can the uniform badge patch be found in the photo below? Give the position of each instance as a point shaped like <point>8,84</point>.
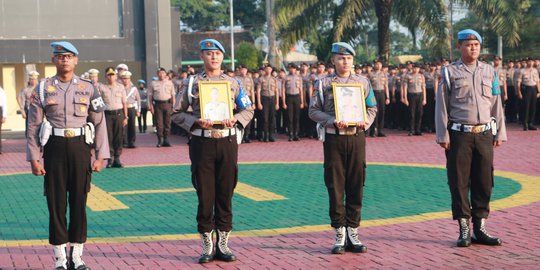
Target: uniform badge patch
<point>51,101</point>
<point>208,44</point>
<point>83,100</point>
<point>83,109</point>
<point>342,50</point>
<point>82,86</point>
<point>51,88</point>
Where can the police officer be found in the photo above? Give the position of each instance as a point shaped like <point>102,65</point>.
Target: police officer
<point>93,75</point>
<point>133,102</point>
<point>511,103</point>
<point>468,99</point>
<point>293,100</point>
<point>114,96</point>
<point>501,74</point>
<point>247,82</point>
<point>24,97</point>
<point>379,82</point>
<point>213,151</point>
<point>161,97</point>
<point>528,90</point>
<point>414,96</point>
<point>68,103</point>
<point>344,149</point>
<point>3,113</point>
<point>431,77</point>
<point>143,94</point>
<point>268,102</point>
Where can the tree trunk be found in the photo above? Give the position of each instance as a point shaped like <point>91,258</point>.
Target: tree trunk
<point>271,33</point>
<point>383,9</point>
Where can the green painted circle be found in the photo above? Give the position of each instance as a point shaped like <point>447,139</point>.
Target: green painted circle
<point>390,191</point>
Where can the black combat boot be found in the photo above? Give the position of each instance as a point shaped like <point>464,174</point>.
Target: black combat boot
<point>339,246</point>
<point>481,235</point>
<point>117,163</point>
<point>159,141</point>
<point>166,142</point>
<point>208,247</point>
<point>353,243</point>
<point>109,163</point>
<point>464,239</point>
<point>223,253</point>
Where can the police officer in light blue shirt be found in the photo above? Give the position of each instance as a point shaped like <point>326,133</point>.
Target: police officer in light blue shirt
<point>344,147</point>
<point>469,121</point>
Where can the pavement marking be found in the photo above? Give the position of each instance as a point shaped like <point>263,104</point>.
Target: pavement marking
<point>256,194</point>
<point>101,200</point>
<point>151,191</point>
<point>245,190</point>
<point>529,193</point>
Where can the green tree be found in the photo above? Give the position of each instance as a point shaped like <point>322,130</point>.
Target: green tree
<point>298,18</point>
<point>202,15</point>
<point>248,55</point>
<point>206,15</point>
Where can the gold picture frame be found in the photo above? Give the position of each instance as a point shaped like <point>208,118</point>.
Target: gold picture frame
<point>349,103</point>
<point>215,100</point>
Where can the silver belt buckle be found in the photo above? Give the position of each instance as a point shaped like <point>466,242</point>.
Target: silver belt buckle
<point>216,134</point>
<point>477,129</point>
<point>69,133</point>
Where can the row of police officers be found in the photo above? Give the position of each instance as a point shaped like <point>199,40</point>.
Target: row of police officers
<point>75,113</point>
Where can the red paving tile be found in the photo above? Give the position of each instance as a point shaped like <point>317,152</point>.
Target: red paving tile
<point>420,245</point>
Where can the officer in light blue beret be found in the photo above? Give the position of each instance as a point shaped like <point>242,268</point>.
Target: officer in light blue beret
<point>74,109</point>
<point>214,173</point>
<point>469,121</point>
<point>342,128</point>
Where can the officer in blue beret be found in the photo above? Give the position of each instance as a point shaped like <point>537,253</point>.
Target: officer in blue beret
<point>143,93</point>
<point>72,106</point>
<point>213,150</point>
<point>469,121</point>
<point>344,143</point>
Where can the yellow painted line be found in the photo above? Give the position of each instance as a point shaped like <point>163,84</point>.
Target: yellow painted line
<point>152,191</point>
<point>529,193</point>
<point>256,194</point>
<point>100,200</point>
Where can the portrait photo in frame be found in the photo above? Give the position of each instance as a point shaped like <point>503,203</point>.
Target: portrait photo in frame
<point>215,100</point>
<point>349,103</point>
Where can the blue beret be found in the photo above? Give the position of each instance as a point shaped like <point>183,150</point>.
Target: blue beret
<point>211,44</point>
<point>64,47</point>
<point>342,48</point>
<point>469,34</point>
<point>141,81</point>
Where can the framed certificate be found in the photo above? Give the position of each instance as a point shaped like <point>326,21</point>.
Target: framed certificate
<point>215,100</point>
<point>349,103</point>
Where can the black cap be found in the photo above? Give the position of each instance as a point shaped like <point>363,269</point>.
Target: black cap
<point>321,63</point>
<point>241,66</point>
<point>161,69</point>
<point>292,65</point>
<point>377,61</point>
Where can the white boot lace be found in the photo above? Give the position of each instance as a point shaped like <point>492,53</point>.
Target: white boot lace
<point>223,242</point>
<point>353,236</point>
<point>76,254</point>
<point>464,228</point>
<point>340,236</point>
<point>208,243</point>
<point>60,256</point>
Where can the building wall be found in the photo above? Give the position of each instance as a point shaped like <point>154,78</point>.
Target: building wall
<point>106,33</point>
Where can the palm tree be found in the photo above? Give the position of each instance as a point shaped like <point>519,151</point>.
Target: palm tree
<point>297,18</point>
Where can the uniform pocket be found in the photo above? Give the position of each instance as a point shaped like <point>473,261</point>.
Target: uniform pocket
<point>462,91</point>
<point>81,109</point>
<point>487,90</point>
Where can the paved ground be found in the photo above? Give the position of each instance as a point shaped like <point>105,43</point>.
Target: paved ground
<point>142,216</point>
